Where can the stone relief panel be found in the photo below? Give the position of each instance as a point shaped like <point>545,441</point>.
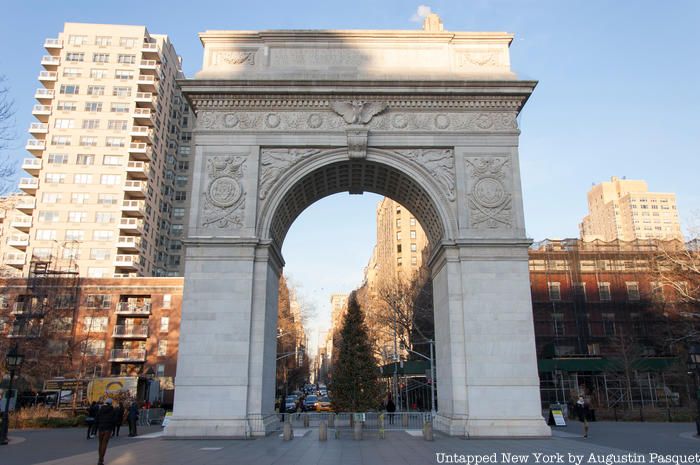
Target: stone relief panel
<point>233,57</point>
<point>489,195</point>
<point>224,195</point>
<point>275,162</point>
<point>385,121</point>
<point>485,58</point>
<point>440,164</point>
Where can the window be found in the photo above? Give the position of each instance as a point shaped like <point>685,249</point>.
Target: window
<point>75,235</point>
<point>413,234</point>
<point>96,90</point>
<point>77,217</point>
<point>580,290</point>
<point>103,41</point>
<point>72,72</point>
<point>100,57</point>
<point>70,254</point>
<point>85,159</point>
<point>126,59</point>
<point>75,56</point>
<point>112,160</point>
<point>632,291</point>
<point>164,324</point>
<point>61,140</point>
<point>69,89</point>
<point>97,272</point>
<point>41,252</point>
<point>58,158</point>
<point>102,235</point>
<point>93,347</point>
<point>128,42</point>
<point>48,216</point>
<point>398,248</point>
<point>118,124</point>
<point>98,301</point>
<point>609,328</point>
<point>45,234</point>
<point>121,91</point>
<point>64,105</point>
<point>82,179</point>
<point>62,123</point>
<point>176,230</point>
<point>77,40</point>
<point>124,74</point>
<point>91,124</point>
<point>162,348</point>
<point>657,291</point>
<point>180,196</point>
<point>120,108</point>
<point>183,165</point>
<point>105,217</point>
<point>55,178</point>
<point>558,326</point>
<point>114,141</point>
<point>398,236</point>
<point>107,199</point>
<point>554,291</point>
<point>604,292</point>
<point>414,248</point>
<point>110,179</point>
<point>93,106</point>
<point>180,180</point>
<point>414,260</point>
<point>95,324</point>
<point>51,197</point>
<point>160,370</point>
<point>398,223</point>
<point>97,73</point>
<point>178,213</point>
<point>412,221</point>
<point>79,197</point>
<point>399,261</point>
<point>99,254</point>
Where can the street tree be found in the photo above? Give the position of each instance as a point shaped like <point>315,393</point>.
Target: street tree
<point>7,126</point>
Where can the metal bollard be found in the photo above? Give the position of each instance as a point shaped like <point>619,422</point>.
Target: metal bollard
<point>323,431</point>
<point>357,431</point>
<point>288,432</point>
<point>306,420</point>
<point>381,426</point>
<point>428,431</point>
<point>331,420</point>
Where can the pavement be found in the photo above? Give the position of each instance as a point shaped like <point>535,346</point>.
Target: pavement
<point>567,446</point>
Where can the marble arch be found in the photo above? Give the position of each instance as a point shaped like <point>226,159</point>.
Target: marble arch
<point>427,118</point>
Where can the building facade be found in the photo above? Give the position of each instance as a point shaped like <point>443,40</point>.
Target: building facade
<point>109,166</point>
<point>73,327</point>
<point>624,209</point>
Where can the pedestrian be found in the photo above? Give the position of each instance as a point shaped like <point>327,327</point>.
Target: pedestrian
<point>105,424</point>
<point>582,411</point>
<point>118,419</point>
<point>390,408</point>
<point>132,417</point>
<point>91,418</point>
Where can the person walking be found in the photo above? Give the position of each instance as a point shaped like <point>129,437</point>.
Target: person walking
<point>132,417</point>
<point>390,408</point>
<point>118,419</point>
<point>105,424</point>
<point>583,411</point>
<point>91,418</point>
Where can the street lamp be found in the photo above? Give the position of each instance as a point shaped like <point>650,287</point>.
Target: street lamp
<point>13,360</point>
<point>694,367</point>
<point>150,376</point>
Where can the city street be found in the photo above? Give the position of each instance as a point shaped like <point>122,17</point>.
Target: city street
<point>69,447</point>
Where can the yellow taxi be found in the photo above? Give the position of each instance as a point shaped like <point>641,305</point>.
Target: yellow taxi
<point>324,405</point>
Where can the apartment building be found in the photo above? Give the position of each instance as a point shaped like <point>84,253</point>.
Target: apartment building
<point>110,149</point>
<point>624,209</point>
<point>400,241</point>
<point>68,326</point>
<point>14,235</point>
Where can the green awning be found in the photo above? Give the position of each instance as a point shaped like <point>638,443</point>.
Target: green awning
<point>409,368</point>
<point>603,364</point>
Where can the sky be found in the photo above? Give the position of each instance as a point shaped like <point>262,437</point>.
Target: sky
<point>618,95</point>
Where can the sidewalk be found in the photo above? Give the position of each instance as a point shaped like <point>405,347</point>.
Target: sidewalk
<point>398,447</point>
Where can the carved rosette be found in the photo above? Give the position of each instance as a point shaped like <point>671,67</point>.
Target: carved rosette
<point>489,199</point>
<point>224,196</point>
<point>275,162</point>
<point>394,120</point>
<point>440,163</point>
<point>233,57</point>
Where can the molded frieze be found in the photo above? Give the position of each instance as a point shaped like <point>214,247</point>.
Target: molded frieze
<point>489,194</point>
<point>224,196</point>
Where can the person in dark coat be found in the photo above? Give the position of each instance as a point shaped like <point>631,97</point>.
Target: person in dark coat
<point>118,419</point>
<point>91,418</point>
<point>132,417</point>
<point>583,410</point>
<point>105,424</point>
<point>390,408</point>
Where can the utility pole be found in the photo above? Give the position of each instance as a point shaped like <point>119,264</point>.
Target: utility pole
<point>394,387</point>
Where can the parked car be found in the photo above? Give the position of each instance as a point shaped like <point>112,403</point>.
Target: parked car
<point>290,404</point>
<point>309,403</point>
<point>324,405</point>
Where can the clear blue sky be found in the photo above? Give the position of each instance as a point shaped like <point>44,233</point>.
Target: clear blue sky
<point>618,95</point>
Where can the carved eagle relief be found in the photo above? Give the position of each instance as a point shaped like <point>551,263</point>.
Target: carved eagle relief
<point>357,112</point>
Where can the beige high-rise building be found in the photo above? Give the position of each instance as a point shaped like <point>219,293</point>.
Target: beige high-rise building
<point>400,241</point>
<point>14,238</point>
<point>624,209</point>
<point>110,169</point>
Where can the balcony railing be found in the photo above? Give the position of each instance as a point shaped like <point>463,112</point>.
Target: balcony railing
<point>26,204</point>
<point>127,355</point>
<point>31,164</point>
<point>149,47</point>
<point>18,240</point>
<point>126,260</point>
<point>129,242</point>
<point>129,308</point>
<point>42,93</point>
<point>130,331</point>
<point>50,60</point>
<point>21,222</point>
<point>38,128</point>
<point>41,110</point>
<point>35,144</point>
<point>48,75</point>
<point>53,43</point>
<point>15,259</point>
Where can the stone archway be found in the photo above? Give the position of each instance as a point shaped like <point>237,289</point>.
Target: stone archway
<point>426,118</point>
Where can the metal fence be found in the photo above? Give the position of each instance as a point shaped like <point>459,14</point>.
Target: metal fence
<point>151,416</point>
<point>371,421</point>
